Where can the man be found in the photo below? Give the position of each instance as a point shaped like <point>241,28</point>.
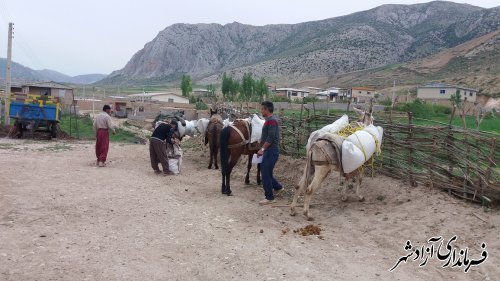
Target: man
<point>102,124</point>
<point>270,152</point>
<point>158,146</point>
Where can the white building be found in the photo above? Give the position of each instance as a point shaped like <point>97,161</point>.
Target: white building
<point>440,91</point>
<point>291,93</point>
<point>162,97</point>
<point>331,93</point>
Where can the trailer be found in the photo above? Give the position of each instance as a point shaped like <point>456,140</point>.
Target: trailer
<point>35,113</point>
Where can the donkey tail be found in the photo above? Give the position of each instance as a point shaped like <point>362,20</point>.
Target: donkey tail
<point>308,171</point>
<point>224,149</point>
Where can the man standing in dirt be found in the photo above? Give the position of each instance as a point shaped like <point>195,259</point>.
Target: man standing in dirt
<point>270,151</point>
<point>102,124</point>
<point>158,146</point>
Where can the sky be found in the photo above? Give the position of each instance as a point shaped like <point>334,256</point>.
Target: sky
<point>100,36</point>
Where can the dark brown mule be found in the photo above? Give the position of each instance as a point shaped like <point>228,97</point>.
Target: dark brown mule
<point>234,142</point>
<point>212,138</point>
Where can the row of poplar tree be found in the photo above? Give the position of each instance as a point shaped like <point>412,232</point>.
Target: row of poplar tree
<point>246,89</point>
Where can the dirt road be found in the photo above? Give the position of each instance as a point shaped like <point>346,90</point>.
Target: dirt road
<point>62,218</point>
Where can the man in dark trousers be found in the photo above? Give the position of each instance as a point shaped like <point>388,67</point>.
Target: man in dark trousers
<point>158,146</point>
<point>270,151</point>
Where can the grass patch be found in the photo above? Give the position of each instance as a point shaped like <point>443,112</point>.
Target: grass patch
<point>6,145</point>
<point>56,148</point>
<point>489,124</point>
<point>82,128</point>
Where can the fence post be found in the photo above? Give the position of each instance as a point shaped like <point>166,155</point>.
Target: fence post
<point>467,169</point>
<point>449,147</point>
<point>410,154</point>
<point>433,154</point>
<point>490,160</point>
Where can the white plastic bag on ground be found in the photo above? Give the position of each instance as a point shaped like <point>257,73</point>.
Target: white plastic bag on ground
<point>257,125</point>
<point>173,165</point>
<point>365,142</point>
<point>352,157</point>
<point>333,128</point>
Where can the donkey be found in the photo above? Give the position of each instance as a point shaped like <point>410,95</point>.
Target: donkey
<point>320,164</point>
<point>212,138</point>
<point>234,142</point>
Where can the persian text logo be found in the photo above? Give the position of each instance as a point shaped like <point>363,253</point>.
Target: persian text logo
<point>450,255</point>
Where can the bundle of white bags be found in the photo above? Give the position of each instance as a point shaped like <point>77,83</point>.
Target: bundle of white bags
<point>356,148</point>
<point>257,125</point>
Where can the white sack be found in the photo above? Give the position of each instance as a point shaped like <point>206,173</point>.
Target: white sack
<point>257,125</point>
<point>352,157</point>
<point>226,123</point>
<point>365,142</point>
<point>190,128</point>
<point>173,165</point>
<point>333,128</point>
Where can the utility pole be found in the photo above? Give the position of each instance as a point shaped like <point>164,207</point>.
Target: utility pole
<point>8,75</point>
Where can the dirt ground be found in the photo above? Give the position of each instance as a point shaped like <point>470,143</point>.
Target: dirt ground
<point>62,218</point>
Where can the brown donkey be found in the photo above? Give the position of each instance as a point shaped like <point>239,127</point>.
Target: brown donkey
<point>212,138</point>
<point>234,142</point>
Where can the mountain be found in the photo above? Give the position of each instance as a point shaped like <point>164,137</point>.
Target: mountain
<point>475,63</point>
<point>384,35</point>
<point>22,74</point>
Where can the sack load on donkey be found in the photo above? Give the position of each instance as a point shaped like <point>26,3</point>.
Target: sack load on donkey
<point>340,146</point>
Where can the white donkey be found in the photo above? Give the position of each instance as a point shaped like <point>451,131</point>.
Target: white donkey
<point>322,158</point>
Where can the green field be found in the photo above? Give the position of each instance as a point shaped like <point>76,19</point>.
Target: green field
<point>86,132</point>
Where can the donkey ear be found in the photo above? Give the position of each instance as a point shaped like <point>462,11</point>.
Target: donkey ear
<point>359,111</point>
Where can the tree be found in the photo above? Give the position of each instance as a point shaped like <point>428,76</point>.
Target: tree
<point>456,99</point>
<point>261,89</point>
<point>234,89</point>
<point>247,87</point>
<point>211,89</point>
<point>226,85</point>
<point>186,85</point>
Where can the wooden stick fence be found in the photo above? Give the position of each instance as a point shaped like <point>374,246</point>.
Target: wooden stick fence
<point>463,162</point>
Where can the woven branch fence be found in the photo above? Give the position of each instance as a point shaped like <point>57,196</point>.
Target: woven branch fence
<point>462,162</point>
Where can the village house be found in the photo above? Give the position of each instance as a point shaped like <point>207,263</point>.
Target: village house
<point>199,93</point>
<point>439,91</point>
<point>161,97</point>
<point>331,94</point>
<point>344,94</point>
<point>291,93</point>
<point>362,94</point>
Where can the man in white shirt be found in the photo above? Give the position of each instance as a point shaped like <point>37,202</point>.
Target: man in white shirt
<point>102,125</point>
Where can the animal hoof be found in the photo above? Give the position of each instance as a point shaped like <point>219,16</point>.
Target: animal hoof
<point>361,199</point>
<point>293,213</point>
<point>217,168</point>
<point>344,198</point>
<point>310,218</point>
<point>247,182</point>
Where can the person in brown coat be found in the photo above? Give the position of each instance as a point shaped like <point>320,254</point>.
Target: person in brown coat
<point>158,146</point>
